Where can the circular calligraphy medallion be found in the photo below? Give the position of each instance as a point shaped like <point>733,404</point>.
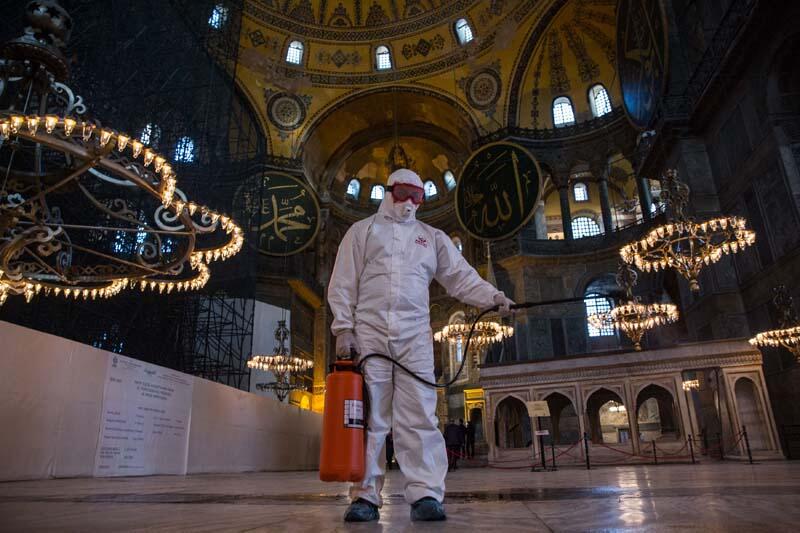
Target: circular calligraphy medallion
<point>498,191</point>
<point>641,58</point>
<point>280,210</point>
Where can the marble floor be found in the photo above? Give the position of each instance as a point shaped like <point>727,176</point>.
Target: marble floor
<point>703,497</point>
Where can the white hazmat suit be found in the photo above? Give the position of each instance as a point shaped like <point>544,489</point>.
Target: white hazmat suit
<point>378,292</point>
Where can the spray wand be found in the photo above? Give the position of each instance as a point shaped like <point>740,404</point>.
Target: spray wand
<point>494,309</point>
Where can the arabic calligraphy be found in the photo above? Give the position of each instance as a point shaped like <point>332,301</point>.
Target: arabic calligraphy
<point>282,211</point>
<point>498,190</point>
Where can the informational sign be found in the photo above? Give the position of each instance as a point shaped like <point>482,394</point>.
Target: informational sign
<point>281,210</point>
<point>144,427</point>
<point>542,432</point>
<point>498,191</point>
<point>641,58</point>
<point>538,408</point>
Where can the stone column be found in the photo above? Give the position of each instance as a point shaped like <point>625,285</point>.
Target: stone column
<point>320,357</point>
<point>540,221</point>
<point>645,199</point>
<point>605,204</point>
<point>566,215</point>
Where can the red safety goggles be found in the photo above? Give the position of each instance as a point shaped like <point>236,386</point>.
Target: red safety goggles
<point>406,191</point>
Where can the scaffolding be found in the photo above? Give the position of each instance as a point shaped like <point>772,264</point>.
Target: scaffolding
<point>166,68</point>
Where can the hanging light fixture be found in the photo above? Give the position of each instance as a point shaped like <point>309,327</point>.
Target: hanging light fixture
<point>616,407</point>
<point>86,211</point>
<point>281,364</point>
<point>487,331</point>
<point>690,381</point>
<point>682,243</point>
<point>788,333</point>
<point>633,317</point>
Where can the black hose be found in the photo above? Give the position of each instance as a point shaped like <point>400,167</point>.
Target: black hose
<point>523,305</point>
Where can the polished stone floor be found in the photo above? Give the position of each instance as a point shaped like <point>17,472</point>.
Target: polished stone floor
<point>703,497</point>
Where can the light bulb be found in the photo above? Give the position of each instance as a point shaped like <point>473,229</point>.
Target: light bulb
<point>87,131</point>
<point>16,123</point>
<point>50,123</point>
<point>69,125</point>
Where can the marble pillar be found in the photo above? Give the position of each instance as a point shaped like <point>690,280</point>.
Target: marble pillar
<point>540,221</point>
<point>605,205</point>
<point>645,199</point>
<point>566,215</point>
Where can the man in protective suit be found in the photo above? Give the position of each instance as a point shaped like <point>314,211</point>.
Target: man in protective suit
<point>378,295</point>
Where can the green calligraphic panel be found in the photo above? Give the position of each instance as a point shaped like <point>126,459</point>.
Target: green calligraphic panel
<point>281,210</point>
<point>498,191</point>
<point>641,58</point>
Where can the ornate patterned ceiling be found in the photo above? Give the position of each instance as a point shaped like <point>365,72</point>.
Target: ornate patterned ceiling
<point>358,20</point>
<point>524,54</point>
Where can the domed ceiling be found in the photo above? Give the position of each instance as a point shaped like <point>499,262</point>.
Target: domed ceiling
<point>524,53</point>
<point>322,18</point>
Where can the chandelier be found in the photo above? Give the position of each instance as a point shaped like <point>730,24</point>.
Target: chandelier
<point>683,243</point>
<point>788,334</point>
<point>281,364</point>
<point>633,317</point>
<point>485,333</point>
<point>616,407</point>
<point>87,211</point>
<point>691,384</point>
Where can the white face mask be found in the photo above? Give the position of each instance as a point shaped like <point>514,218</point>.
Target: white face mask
<point>404,211</point>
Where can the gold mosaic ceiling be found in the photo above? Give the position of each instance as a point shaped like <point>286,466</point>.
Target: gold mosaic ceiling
<point>525,53</point>
<point>315,18</point>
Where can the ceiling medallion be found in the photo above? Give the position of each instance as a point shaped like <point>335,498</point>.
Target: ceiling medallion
<point>482,89</point>
<point>633,317</point>
<point>286,111</point>
<point>682,243</point>
<point>788,333</point>
<point>86,211</point>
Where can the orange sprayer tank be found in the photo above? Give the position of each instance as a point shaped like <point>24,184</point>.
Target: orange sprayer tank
<point>341,456</point>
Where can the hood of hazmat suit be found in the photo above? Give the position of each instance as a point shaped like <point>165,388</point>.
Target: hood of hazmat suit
<point>379,290</point>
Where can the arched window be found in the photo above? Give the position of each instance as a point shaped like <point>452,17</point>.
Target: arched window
<point>376,194</point>
<point>463,31</point>
<point>151,135</point>
<point>219,15</point>
<point>353,188</point>
<point>580,192</point>
<point>584,227</point>
<point>430,190</point>
<point>562,112</point>
<point>383,58</point>
<point>449,180</point>
<point>184,150</point>
<point>599,101</point>
<point>596,304</point>
<point>459,245</point>
<point>294,54</point>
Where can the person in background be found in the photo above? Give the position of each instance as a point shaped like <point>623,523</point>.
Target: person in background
<point>462,436</point>
<point>452,439</point>
<point>470,440</point>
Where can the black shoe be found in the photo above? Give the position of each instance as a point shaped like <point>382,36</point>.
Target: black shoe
<point>427,510</point>
<point>361,511</point>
